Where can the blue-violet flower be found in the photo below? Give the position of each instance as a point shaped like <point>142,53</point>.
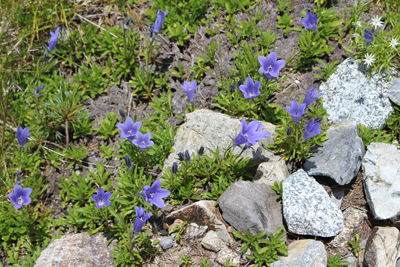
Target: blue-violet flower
<point>53,39</point>
<point>312,129</point>
<point>129,130</point>
<point>251,134</point>
<point>270,66</point>
<point>251,89</point>
<point>310,21</point>
<point>154,194</point>
<point>160,20</point>
<point>141,218</point>
<point>102,198</point>
<point>143,141</point>
<point>190,89</point>
<point>22,135</point>
<point>369,36</point>
<point>311,96</point>
<point>20,196</point>
<point>18,180</point>
<point>296,111</point>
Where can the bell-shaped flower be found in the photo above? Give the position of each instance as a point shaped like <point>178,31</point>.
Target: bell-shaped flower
<point>190,89</point>
<point>20,196</point>
<point>128,161</point>
<point>311,96</point>
<point>369,36</point>
<point>129,130</point>
<point>141,219</point>
<point>22,135</point>
<point>102,198</point>
<point>160,20</point>
<point>53,39</point>
<point>251,90</point>
<point>271,66</point>
<point>187,156</point>
<point>310,21</point>
<point>37,91</point>
<point>18,180</point>
<point>251,134</point>
<point>296,110</point>
<point>312,129</point>
<point>155,194</point>
<point>143,141</point>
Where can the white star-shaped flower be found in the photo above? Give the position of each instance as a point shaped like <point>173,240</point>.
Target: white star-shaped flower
<point>369,59</point>
<point>394,42</point>
<point>356,35</point>
<point>376,22</point>
<point>357,24</point>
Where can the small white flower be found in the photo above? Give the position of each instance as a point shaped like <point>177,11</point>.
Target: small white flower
<point>356,35</point>
<point>394,42</point>
<point>357,24</point>
<point>376,22</point>
<point>369,59</point>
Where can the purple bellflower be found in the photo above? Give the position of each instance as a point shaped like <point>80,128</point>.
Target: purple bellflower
<point>174,169</point>
<point>296,111</point>
<point>187,156</point>
<point>312,129</point>
<point>102,198</point>
<point>37,91</point>
<point>129,130</point>
<point>251,134</point>
<point>311,96</point>
<point>310,21</point>
<point>128,161</point>
<point>160,20</point>
<point>143,141</point>
<point>20,196</point>
<point>22,135</point>
<point>18,180</point>
<point>151,31</point>
<point>181,156</point>
<point>271,66</point>
<point>155,194</point>
<point>190,89</point>
<point>251,89</point>
<point>141,219</point>
<point>369,36</point>
<point>127,21</point>
<point>53,39</point>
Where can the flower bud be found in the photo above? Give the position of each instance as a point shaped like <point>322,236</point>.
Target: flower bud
<point>208,166</point>
<point>313,149</point>
<point>174,168</point>
<point>187,156</point>
<point>231,88</point>
<point>201,151</point>
<point>288,131</point>
<point>181,157</point>
<point>319,119</point>
<point>240,82</point>
<point>128,161</point>
<point>122,113</point>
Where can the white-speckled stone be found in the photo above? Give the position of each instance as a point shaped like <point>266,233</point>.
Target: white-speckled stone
<point>349,94</point>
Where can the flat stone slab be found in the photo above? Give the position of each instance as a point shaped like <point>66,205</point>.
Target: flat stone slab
<point>349,94</point>
<point>308,209</point>
<point>340,156</point>
<point>381,178</point>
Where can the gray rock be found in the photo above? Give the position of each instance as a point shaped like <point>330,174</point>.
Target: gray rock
<point>270,172</point>
<point>303,253</point>
<point>211,130</point>
<point>307,208</point>
<point>203,213</point>
<point>353,220</point>
<point>382,247</point>
<point>246,205</point>
<point>77,250</point>
<point>337,197</point>
<point>394,92</point>
<point>166,242</point>
<point>351,260</point>
<point>194,231</point>
<point>381,179</point>
<point>212,242</point>
<point>340,156</point>
<point>226,253</point>
<point>349,94</point>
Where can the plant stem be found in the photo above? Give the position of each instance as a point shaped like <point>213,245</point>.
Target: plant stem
<point>66,133</point>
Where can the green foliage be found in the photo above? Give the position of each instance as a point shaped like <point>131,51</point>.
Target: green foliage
<point>185,261</point>
<point>108,126</point>
<point>283,5</point>
<point>335,261</point>
<point>209,174</point>
<point>368,135</point>
<point>278,189</point>
<point>178,73</point>
<point>265,251</point>
<point>76,189</point>
<point>178,230</point>
<point>285,22</point>
<point>76,154</point>
<point>204,263</point>
<point>354,247</point>
<point>327,71</point>
<point>107,151</point>
<point>393,123</point>
<point>93,80</point>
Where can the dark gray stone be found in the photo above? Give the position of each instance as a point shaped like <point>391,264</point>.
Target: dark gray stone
<point>246,205</point>
<point>340,156</point>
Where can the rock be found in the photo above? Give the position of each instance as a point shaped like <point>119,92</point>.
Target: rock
<point>351,260</point>
<point>382,247</point>
<point>381,178</point>
<point>340,156</point>
<point>203,213</point>
<point>353,220</point>
<point>337,197</point>
<point>226,253</point>
<point>307,208</point>
<point>349,94</point>
<point>212,242</point>
<point>166,243</point>
<point>301,253</point>
<point>271,171</point>
<point>246,205</point>
<point>193,231</point>
<point>211,130</point>
<point>77,250</point>
<point>394,92</point>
